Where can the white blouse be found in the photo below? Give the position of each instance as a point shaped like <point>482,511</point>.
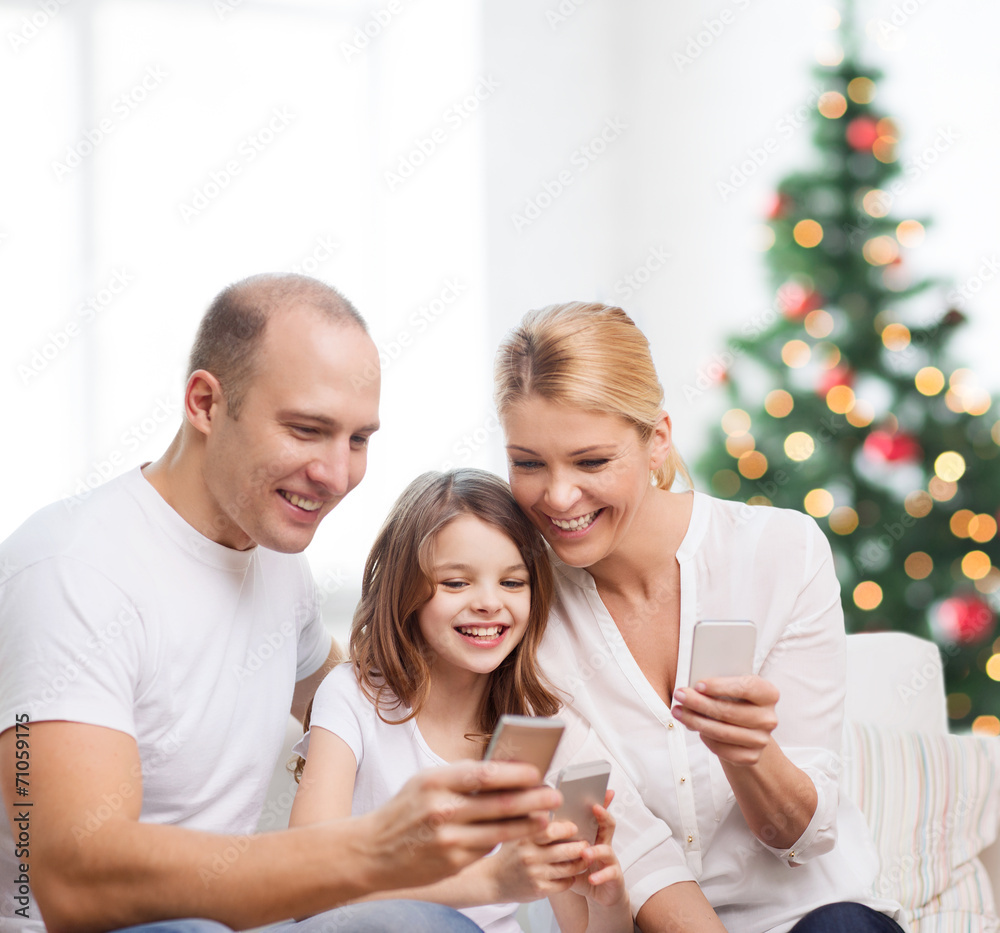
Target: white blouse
<point>774,567</point>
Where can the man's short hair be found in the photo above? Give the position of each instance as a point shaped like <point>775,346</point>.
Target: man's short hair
<point>230,333</point>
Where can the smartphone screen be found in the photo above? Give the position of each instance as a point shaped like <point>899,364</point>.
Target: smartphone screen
<point>526,738</point>
<point>722,648</point>
<point>582,786</point>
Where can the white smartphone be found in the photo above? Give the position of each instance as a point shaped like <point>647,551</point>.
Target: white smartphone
<point>525,738</point>
<point>582,786</point>
<point>722,648</point>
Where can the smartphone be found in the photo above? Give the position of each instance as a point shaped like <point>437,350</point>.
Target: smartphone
<point>582,786</point>
<point>722,649</point>
<point>525,738</point>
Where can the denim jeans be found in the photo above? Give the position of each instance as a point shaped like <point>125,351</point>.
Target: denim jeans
<point>369,917</point>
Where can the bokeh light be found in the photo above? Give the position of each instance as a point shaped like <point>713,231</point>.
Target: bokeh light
<point>829,54</point>
<point>918,565</point>
<point>795,353</point>
<point>819,323</point>
<point>885,148</point>
<point>779,403</point>
<point>861,90</point>
<point>976,564</point>
<point>843,520</point>
<point>840,399</point>
<point>759,500</point>
<point>752,465</point>
<point>959,705</point>
<point>880,250</point>
<point>832,105</point>
<point>959,523</point>
<point>867,595</point>
<point>982,528</point>
<point>862,414</point>
<point>993,667</point>
<point>739,444</point>
<point>941,489</point>
<point>896,337</point>
<point>910,233</point>
<point>986,725</point>
<point>808,233</point>
<point>918,503</point>
<point>726,483</point>
<point>929,380</point>
<point>819,503</point>
<point>877,202</point>
<point>949,466</point>
<point>799,446</point>
<point>735,422</point>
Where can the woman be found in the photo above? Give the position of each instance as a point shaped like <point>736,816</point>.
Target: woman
<point>742,770</point>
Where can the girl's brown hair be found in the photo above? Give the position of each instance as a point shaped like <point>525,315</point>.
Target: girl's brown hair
<point>388,650</point>
<point>589,356</point>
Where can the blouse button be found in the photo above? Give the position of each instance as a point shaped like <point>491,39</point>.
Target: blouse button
<point>683,779</point>
<point>791,855</point>
<point>670,725</point>
<point>690,838</point>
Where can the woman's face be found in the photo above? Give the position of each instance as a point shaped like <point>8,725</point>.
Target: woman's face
<point>580,476</point>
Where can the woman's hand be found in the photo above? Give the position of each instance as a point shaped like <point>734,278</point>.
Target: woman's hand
<point>541,865</point>
<point>603,883</point>
<point>735,716</point>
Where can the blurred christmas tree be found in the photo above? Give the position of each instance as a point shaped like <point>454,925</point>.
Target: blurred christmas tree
<point>846,405</point>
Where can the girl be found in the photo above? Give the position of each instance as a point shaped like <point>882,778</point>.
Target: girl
<point>454,601</point>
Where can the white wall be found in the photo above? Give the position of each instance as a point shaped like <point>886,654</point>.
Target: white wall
<point>688,124</point>
<point>547,88</point>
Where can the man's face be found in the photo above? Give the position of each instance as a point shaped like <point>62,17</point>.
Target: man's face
<point>300,443</point>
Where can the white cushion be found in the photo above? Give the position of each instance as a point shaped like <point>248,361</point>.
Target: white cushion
<point>895,679</point>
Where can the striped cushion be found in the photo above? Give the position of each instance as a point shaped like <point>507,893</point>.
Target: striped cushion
<point>933,804</point>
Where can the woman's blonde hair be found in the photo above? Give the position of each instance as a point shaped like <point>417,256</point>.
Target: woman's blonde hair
<point>589,356</point>
<point>388,650</point>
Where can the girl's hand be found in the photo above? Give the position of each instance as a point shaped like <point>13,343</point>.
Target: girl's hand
<point>603,881</point>
<point>533,868</point>
<point>734,715</point>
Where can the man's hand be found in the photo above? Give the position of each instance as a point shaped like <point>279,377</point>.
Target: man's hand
<point>445,818</point>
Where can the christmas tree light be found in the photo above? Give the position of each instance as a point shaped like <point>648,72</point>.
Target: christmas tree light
<point>848,407</point>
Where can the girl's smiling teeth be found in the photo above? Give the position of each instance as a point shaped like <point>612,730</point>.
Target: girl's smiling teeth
<point>491,631</point>
<point>310,505</point>
<point>576,524</point>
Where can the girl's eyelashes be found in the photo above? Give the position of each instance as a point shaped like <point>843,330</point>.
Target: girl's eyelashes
<point>514,584</point>
<point>525,464</point>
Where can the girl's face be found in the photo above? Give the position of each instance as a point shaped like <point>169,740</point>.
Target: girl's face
<point>479,609</point>
<point>580,476</point>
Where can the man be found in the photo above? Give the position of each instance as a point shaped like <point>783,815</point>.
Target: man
<point>137,742</point>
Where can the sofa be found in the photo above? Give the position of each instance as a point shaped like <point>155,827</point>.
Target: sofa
<point>931,799</point>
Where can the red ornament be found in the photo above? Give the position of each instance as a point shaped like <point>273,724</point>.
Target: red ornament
<point>861,133</point>
<point>778,206</point>
<point>837,376</point>
<point>898,447</point>
<point>796,301</point>
<point>964,620</point>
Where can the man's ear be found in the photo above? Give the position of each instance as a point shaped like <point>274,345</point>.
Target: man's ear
<point>660,442</point>
<point>203,400</point>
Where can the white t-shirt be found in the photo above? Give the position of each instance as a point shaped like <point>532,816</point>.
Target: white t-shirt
<point>774,567</point>
<point>116,612</point>
<point>388,756</point>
